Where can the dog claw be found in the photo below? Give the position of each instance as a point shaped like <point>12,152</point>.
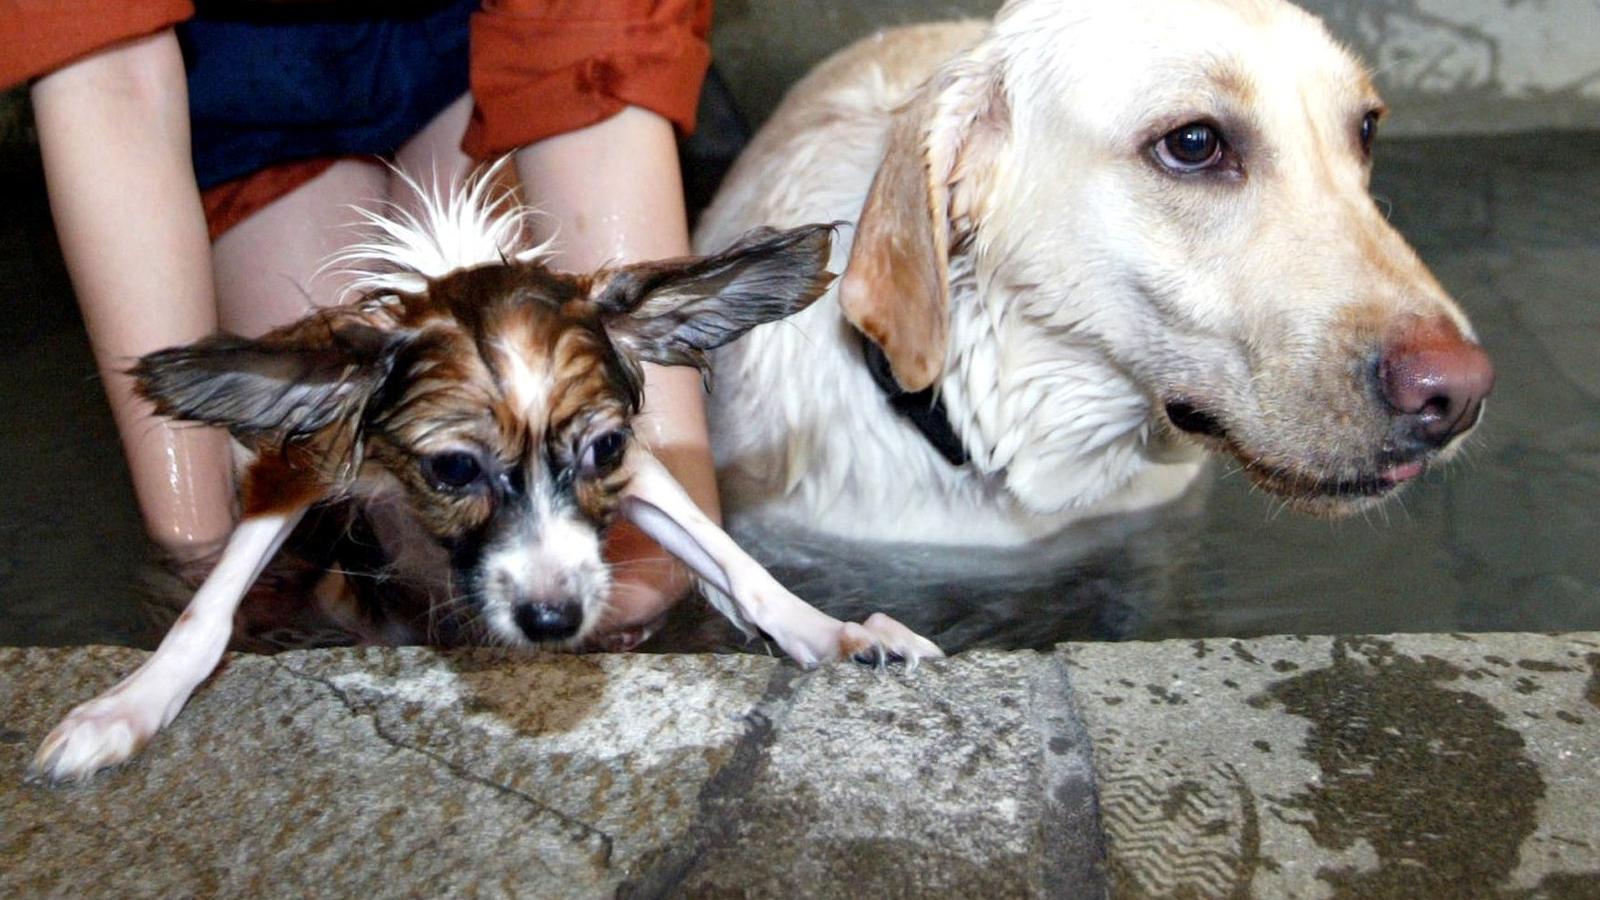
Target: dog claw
<point>874,656</point>
<point>881,640</point>
<point>94,736</point>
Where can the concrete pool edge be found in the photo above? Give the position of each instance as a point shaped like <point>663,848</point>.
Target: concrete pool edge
<point>1413,765</point>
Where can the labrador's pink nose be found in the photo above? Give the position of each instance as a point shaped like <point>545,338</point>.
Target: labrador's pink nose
<point>1434,377</point>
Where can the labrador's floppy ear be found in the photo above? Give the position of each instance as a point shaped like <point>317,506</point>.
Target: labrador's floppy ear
<point>896,288</point>
<point>287,385</point>
<point>672,311</point>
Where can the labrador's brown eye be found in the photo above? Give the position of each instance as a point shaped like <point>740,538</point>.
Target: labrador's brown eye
<point>454,470</point>
<point>1369,131</point>
<point>1192,148</point>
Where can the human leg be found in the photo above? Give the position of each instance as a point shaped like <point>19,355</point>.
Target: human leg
<point>269,266</point>
<point>114,136</point>
<point>433,156</point>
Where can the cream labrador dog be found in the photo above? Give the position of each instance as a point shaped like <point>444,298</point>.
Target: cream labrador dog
<point>1093,240</point>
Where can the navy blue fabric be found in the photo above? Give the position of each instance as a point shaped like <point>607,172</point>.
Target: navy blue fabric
<point>265,92</point>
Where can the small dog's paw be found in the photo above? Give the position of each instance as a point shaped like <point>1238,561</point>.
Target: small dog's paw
<point>880,640</point>
<point>101,733</point>
<point>811,637</point>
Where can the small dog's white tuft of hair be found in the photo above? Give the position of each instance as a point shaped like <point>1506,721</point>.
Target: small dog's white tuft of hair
<point>444,228</point>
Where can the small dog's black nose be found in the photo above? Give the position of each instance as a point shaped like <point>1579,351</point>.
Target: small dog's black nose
<point>548,621</point>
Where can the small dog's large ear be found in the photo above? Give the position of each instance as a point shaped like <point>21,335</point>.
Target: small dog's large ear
<point>896,287</point>
<point>286,385</point>
<point>672,311</point>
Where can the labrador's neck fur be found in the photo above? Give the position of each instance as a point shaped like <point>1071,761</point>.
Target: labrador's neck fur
<point>1053,437</point>
<point>1041,408</point>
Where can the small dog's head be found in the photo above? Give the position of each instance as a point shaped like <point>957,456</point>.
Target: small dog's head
<point>496,397</point>
<point>1171,197</point>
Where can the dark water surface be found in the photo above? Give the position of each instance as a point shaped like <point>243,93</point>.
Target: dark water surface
<point>1504,539</point>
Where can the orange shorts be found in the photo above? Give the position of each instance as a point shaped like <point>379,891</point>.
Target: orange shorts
<point>39,36</point>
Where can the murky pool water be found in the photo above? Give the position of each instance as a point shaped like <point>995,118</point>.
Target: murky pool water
<point>1503,539</point>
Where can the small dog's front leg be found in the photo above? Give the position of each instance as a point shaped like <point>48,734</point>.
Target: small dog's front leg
<point>115,725</point>
<point>659,506</point>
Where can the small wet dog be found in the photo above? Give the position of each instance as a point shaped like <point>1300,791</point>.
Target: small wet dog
<point>479,403</point>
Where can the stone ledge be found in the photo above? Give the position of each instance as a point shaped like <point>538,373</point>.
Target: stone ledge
<point>408,771</point>
<point>1406,766</point>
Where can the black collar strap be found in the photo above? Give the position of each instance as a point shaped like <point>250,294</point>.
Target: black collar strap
<point>922,409</point>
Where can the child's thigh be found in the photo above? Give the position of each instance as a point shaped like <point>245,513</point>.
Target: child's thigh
<point>269,267</point>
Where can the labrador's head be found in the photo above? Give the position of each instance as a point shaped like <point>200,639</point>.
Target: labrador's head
<point>1177,193</point>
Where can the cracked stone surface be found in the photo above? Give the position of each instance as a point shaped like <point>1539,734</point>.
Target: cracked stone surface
<point>962,779</point>
<point>299,776</point>
<point>411,772</point>
<point>1395,767</point>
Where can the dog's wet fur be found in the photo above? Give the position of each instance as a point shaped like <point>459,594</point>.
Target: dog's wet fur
<point>493,406</point>
<point>1110,235</point>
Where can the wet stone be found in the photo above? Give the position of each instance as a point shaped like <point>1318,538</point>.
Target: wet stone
<point>410,772</point>
<point>1414,766</point>
<point>1372,768</point>
<point>968,777</point>
<point>1592,694</point>
<point>375,772</point>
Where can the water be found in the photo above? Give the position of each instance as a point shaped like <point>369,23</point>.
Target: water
<point>1503,539</point>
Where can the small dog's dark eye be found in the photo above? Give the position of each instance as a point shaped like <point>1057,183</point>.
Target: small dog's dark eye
<point>1193,147</point>
<point>455,469</point>
<point>1369,131</point>
<point>604,453</point>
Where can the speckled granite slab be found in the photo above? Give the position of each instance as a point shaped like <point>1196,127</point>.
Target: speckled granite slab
<point>1404,767</point>
<point>404,773</point>
<point>1419,766</point>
